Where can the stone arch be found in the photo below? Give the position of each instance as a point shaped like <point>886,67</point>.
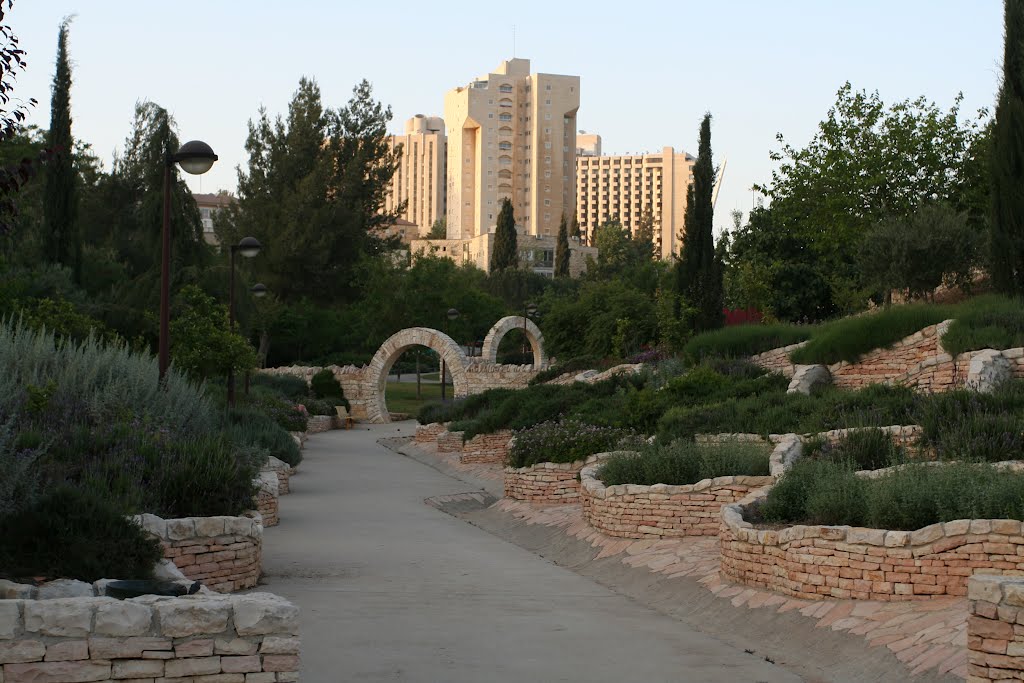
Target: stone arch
<point>377,371</point>
<point>504,326</point>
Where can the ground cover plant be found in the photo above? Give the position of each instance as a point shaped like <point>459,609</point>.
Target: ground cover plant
<point>866,449</point>
<point>565,441</point>
<point>93,418</point>
<point>741,341</point>
<point>685,462</point>
<point>825,491</point>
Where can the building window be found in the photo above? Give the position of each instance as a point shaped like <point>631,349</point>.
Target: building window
<point>504,116</point>
<point>547,202</point>
<point>547,117</point>
<point>504,87</point>
<point>547,102</point>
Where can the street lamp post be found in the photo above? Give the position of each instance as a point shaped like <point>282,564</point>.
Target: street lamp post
<point>248,247</point>
<point>529,312</point>
<point>194,157</point>
<point>452,315</point>
<point>258,290</point>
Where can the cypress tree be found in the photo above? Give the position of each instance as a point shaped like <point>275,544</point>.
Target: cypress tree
<point>60,204</point>
<point>506,250</point>
<point>562,250</point>
<point>698,274</point>
<point>1008,160</point>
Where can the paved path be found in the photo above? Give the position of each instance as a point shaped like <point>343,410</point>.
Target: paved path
<point>394,590</point>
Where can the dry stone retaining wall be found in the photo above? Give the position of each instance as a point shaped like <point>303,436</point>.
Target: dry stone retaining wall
<point>777,360</point>
<point>661,511</point>
<point>222,552</point>
<point>283,471</point>
<point>815,562</point>
<point>487,448</point>
<point>546,483</point>
<point>267,497</point>
<point>428,433</point>
<point>317,424</point>
<point>210,638</point>
<point>995,628</point>
<point>449,442</point>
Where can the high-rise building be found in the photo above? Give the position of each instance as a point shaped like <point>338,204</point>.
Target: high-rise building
<point>624,187</point>
<point>511,134</point>
<point>419,180</point>
<point>588,144</point>
<point>209,206</point>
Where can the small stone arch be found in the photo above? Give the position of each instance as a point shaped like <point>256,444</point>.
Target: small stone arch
<point>506,325</point>
<point>378,369</point>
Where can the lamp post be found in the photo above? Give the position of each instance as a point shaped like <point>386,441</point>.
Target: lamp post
<point>194,157</point>
<point>529,312</point>
<point>452,315</point>
<point>247,247</point>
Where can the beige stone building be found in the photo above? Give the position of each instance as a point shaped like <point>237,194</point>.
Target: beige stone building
<point>623,187</point>
<point>209,206</point>
<point>511,134</point>
<point>419,180</point>
<point>588,144</point>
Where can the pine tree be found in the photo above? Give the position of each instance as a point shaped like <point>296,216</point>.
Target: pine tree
<point>562,250</point>
<point>698,273</point>
<point>61,199</point>
<point>1008,161</point>
<point>505,254</point>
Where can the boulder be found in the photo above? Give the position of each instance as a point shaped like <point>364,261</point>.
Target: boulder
<point>808,377</point>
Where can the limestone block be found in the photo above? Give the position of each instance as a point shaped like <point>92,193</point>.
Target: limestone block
<point>236,646</point>
<point>265,613</point>
<point>21,651</point>
<point>137,668</point>
<point>181,529</point>
<point>153,524</point>
<point>210,527</point>
<point>69,617</point>
<point>10,618</point>
<point>987,370</point>
<point>166,570</point>
<point>123,618</point>
<point>127,648</point>
<point>191,616</point>
<point>67,651</point>
<point>806,378</point>
<point>62,672</point>
<point>276,645</point>
<point>65,588</point>
<point>985,587</point>
<point>198,666</point>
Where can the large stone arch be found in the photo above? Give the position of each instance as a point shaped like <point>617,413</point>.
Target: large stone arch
<point>376,373</point>
<point>504,326</point>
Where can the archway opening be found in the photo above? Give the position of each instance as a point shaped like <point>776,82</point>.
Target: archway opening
<point>515,348</point>
<point>414,382</point>
<point>392,350</point>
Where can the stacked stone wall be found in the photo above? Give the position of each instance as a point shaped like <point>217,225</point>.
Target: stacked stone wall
<point>449,442</point>
<point>815,562</point>
<point>995,629</point>
<point>428,433</point>
<point>487,448</point>
<point>481,376</point>
<point>547,483</point>
<point>777,360</point>
<point>210,638</point>
<point>267,498</point>
<point>222,552</point>
<point>661,511</point>
<point>283,471</point>
<point>317,424</point>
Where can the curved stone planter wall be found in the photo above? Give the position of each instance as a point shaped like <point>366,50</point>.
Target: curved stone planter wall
<point>222,552</point>
<point>267,498</point>
<point>844,562</point>
<point>449,442</point>
<point>487,448</point>
<point>661,511</point>
<point>547,483</point>
<point>200,637</point>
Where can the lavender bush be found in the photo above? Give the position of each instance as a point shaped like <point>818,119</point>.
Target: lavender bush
<point>565,441</point>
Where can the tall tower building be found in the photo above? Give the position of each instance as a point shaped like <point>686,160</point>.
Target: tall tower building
<point>511,134</point>
<point>625,187</point>
<point>419,180</point>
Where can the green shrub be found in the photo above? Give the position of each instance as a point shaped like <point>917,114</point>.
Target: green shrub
<point>316,406</point>
<point>988,322</point>
<point>848,339</point>
<point>866,449</point>
<point>325,385</point>
<point>248,426</point>
<point>685,462</point>
<point>740,341</point>
<point>910,497</point>
<point>291,387</point>
<point>280,410</point>
<point>77,534</point>
<point>566,441</point>
<point>966,425</point>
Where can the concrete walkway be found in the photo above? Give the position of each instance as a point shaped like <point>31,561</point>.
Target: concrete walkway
<point>394,590</point>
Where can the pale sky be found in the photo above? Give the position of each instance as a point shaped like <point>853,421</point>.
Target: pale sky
<point>649,70</point>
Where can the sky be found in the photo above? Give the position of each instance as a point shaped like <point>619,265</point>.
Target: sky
<point>649,70</point>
